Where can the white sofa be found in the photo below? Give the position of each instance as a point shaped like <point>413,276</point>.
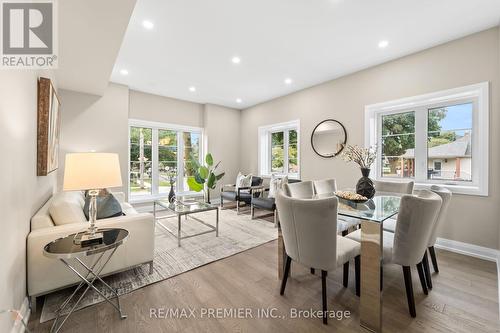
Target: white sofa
<point>46,274</point>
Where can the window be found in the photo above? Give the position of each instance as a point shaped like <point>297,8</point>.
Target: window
<point>278,149</point>
<point>161,155</point>
<point>434,139</point>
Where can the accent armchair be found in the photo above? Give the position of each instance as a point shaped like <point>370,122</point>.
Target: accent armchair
<point>241,194</point>
<point>266,203</point>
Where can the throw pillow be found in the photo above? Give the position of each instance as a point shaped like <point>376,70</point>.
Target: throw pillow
<point>107,205</point>
<point>66,208</point>
<point>243,181</point>
<point>275,185</point>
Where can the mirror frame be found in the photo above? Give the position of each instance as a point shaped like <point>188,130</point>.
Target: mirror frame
<point>333,154</point>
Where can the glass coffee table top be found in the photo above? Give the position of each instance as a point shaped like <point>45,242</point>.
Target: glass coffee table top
<point>186,206</point>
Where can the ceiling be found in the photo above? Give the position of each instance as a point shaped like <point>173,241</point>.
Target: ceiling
<point>89,41</point>
<point>193,42</point>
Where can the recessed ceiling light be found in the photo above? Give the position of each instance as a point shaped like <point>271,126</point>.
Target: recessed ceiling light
<point>148,24</point>
<point>236,60</point>
<point>383,44</point>
<point>239,101</point>
<point>192,89</point>
<point>288,81</point>
<point>123,72</point>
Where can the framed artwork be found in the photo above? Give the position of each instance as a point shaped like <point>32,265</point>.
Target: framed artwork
<point>49,124</point>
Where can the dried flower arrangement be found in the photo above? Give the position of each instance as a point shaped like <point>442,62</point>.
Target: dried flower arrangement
<point>364,157</point>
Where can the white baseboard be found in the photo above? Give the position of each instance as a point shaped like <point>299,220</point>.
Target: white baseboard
<point>25,313</point>
<point>468,249</point>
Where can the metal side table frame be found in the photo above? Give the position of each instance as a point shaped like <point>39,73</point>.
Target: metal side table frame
<point>92,275</point>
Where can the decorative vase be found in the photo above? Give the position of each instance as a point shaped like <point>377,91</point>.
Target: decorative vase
<point>206,195</point>
<point>171,194</point>
<point>365,186</point>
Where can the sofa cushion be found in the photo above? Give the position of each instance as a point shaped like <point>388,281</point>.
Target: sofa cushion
<point>107,205</point>
<point>67,207</point>
<point>264,203</point>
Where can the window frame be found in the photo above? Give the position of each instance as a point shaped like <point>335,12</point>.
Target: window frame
<point>155,127</point>
<point>265,148</point>
<point>478,94</point>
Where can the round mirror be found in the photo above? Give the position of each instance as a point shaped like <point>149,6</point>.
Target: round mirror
<point>328,138</point>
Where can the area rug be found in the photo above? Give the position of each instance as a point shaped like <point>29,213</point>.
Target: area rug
<point>237,233</point>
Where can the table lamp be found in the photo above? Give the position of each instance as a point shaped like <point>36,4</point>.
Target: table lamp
<point>91,172</point>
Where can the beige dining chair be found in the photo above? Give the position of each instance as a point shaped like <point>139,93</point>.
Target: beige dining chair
<point>407,245</point>
<point>309,228</point>
<point>329,186</point>
<point>302,190</point>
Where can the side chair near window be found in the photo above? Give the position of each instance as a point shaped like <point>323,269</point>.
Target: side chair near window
<point>309,228</point>
<point>407,245</point>
<point>445,195</point>
<point>240,194</point>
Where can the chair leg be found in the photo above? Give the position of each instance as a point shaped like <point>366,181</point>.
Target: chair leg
<point>313,271</point>
<point>346,275</point>
<point>251,211</point>
<point>237,206</point>
<point>421,276</point>
<point>357,272</point>
<point>433,259</point>
<point>409,290</point>
<point>427,271</point>
<point>151,267</point>
<point>275,218</point>
<point>32,304</point>
<point>221,202</point>
<point>344,233</point>
<point>323,289</point>
<point>285,274</point>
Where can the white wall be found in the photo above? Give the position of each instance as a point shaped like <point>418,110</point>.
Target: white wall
<point>91,122</point>
<point>161,109</point>
<point>222,129</point>
<point>22,192</point>
<point>469,60</point>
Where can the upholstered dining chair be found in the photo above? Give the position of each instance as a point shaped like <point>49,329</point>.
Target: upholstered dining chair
<point>328,186</point>
<point>388,187</point>
<point>309,228</point>
<point>240,194</point>
<point>407,245</point>
<point>302,190</point>
<point>445,195</point>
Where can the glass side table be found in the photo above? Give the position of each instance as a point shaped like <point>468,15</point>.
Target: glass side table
<point>71,254</point>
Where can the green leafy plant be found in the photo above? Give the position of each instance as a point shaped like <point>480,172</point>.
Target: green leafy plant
<point>205,177</point>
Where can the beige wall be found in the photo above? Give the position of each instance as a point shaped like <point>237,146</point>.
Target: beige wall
<point>222,130</point>
<point>91,122</point>
<point>469,60</point>
<point>22,192</point>
<point>161,109</point>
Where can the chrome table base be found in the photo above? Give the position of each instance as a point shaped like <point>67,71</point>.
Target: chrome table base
<point>89,279</point>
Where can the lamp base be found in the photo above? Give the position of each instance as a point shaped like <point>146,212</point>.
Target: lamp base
<point>88,239</point>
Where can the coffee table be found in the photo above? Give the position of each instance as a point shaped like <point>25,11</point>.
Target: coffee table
<point>70,252</point>
<point>187,207</point>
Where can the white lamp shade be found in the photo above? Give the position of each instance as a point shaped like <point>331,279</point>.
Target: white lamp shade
<point>91,171</point>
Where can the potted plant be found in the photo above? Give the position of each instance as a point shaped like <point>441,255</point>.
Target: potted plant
<point>204,177</point>
<point>364,157</point>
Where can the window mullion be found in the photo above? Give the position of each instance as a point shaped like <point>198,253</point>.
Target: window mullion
<point>155,175</point>
<point>285,151</point>
<point>180,162</point>
<point>421,144</point>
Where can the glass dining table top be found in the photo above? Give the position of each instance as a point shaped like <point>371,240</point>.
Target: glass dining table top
<point>378,209</point>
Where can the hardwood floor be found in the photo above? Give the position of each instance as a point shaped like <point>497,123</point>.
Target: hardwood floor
<point>464,298</point>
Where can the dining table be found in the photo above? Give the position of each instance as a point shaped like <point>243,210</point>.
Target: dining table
<point>372,213</point>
